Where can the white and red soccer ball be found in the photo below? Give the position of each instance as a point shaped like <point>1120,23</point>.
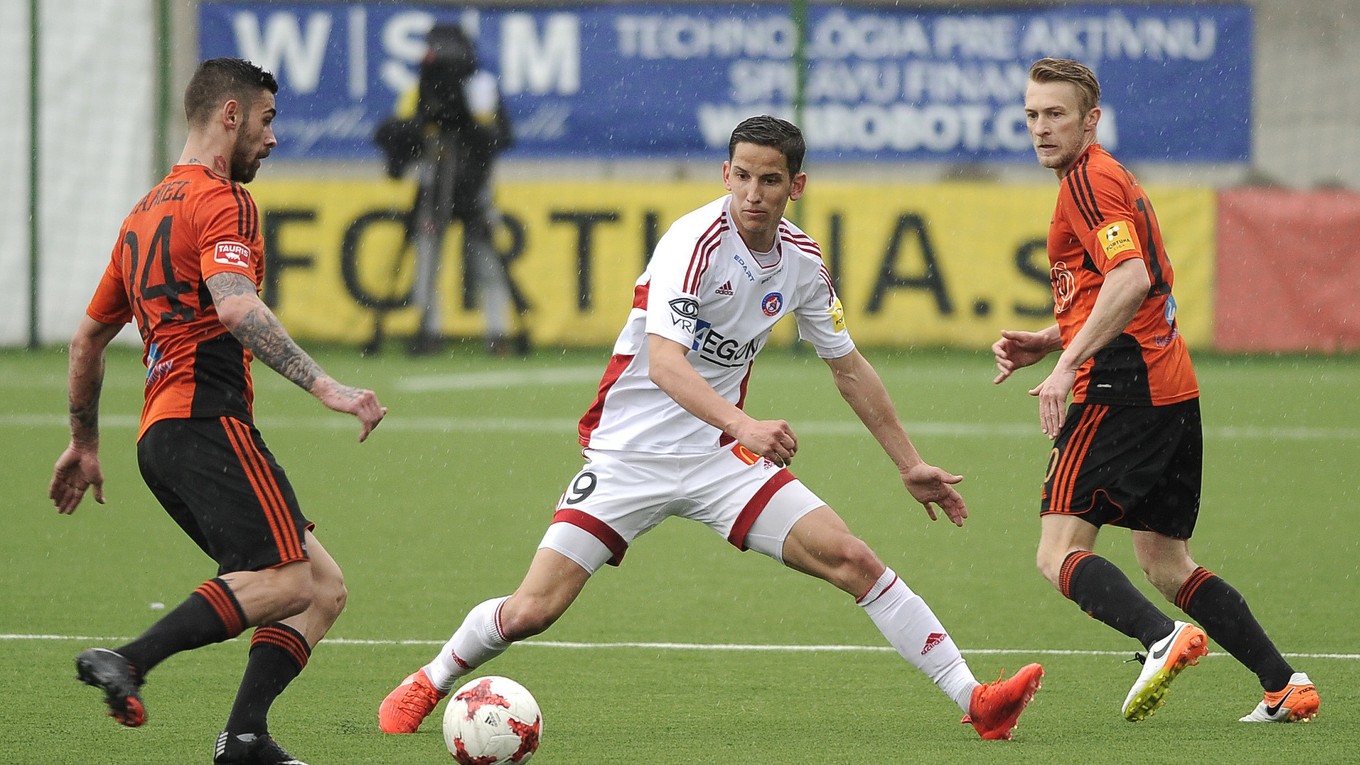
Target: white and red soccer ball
<point>492,720</point>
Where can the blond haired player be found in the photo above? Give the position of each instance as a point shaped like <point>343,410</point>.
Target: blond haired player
<point>1128,451</point>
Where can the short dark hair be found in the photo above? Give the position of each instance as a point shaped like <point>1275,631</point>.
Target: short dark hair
<point>1069,70</point>
<point>775,133</point>
<point>220,79</point>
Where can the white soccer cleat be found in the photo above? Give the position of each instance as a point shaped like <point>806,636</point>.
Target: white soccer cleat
<point>1166,658</point>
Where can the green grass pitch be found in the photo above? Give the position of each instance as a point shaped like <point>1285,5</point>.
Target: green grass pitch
<point>691,652</point>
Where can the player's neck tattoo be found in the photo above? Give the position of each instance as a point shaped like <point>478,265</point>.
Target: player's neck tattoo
<point>221,166</point>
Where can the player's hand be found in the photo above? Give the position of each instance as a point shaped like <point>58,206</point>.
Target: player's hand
<point>360,402</point>
<point>772,439</point>
<point>77,469</point>
<point>1052,394</point>
<point>1015,350</point>
<point>932,486</point>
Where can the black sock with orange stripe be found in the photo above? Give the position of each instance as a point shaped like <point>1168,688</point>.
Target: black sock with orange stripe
<point>1106,594</point>
<point>1224,614</point>
<point>277,655</point>
<point>210,615</point>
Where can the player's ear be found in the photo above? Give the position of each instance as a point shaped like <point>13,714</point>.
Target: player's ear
<point>727,175</point>
<point>798,186</point>
<point>231,113</point>
<point>1092,117</point>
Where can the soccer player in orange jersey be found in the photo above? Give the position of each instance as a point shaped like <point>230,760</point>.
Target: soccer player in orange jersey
<point>187,268</point>
<point>1128,450</point>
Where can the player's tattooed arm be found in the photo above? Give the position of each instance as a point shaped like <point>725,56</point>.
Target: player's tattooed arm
<point>86,379</point>
<point>85,418</point>
<point>77,469</point>
<point>240,309</point>
<point>247,317</point>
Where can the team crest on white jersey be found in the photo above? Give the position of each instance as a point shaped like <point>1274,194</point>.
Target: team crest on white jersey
<point>772,303</point>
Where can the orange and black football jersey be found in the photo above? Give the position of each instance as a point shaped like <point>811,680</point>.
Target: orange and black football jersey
<point>194,224</point>
<point>1104,218</point>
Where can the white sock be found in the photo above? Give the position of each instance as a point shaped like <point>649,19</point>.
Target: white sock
<point>477,641</point>
<point>912,628</point>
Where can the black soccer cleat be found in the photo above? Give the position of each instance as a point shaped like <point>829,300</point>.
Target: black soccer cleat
<point>112,673</point>
<point>251,749</point>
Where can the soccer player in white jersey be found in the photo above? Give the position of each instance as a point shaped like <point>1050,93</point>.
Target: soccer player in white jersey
<point>667,436</point>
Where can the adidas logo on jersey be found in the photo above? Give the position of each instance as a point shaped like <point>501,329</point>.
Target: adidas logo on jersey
<point>726,288</point>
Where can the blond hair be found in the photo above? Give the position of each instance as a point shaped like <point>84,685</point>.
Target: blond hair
<point>1069,70</point>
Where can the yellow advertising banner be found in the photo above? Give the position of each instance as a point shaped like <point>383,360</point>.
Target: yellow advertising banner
<point>915,265</point>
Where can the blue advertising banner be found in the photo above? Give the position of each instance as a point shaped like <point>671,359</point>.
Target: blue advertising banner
<point>670,80</point>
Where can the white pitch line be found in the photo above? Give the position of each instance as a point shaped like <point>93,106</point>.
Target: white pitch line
<point>567,427</point>
<point>713,647</point>
<point>499,379</point>
<point>574,375</point>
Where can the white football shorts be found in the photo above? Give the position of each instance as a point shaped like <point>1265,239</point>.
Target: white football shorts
<point>619,496</point>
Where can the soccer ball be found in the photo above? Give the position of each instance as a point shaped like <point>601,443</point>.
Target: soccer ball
<point>492,720</point>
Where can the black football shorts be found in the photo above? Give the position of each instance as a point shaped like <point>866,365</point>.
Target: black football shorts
<point>218,481</point>
<point>1138,467</point>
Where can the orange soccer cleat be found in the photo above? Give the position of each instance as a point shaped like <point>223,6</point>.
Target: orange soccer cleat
<point>1296,702</point>
<point>407,706</point>
<point>995,707</point>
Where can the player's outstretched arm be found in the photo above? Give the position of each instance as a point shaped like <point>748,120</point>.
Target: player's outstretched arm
<point>247,317</point>
<point>934,487</point>
<point>1018,349</point>
<point>77,468</point>
<point>360,402</point>
<point>862,388</point>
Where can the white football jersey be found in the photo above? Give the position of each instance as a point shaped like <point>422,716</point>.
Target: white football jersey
<point>704,289</point>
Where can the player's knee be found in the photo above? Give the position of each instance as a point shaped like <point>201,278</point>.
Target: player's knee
<point>294,589</point>
<point>1167,582</point>
<point>1167,570</point>
<point>524,616</point>
<point>340,598</point>
<point>298,598</point>
<point>860,558</point>
<point>330,594</point>
<point>1050,567</point>
<point>853,565</point>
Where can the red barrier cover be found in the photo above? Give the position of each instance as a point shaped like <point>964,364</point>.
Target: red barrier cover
<point>1288,272</point>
